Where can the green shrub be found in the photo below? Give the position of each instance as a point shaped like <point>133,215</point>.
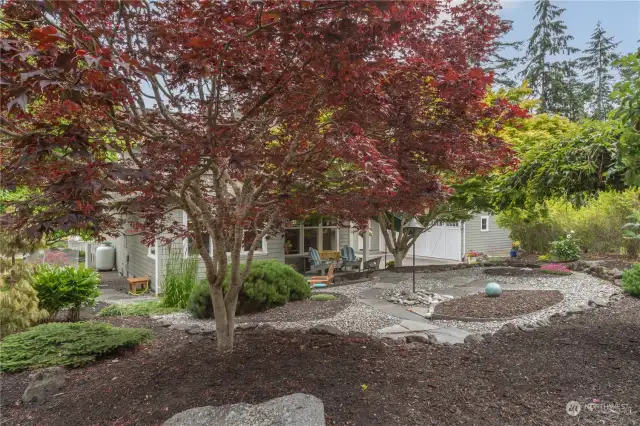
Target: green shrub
<point>597,225</point>
<point>180,278</point>
<point>544,258</point>
<point>270,283</point>
<point>391,264</point>
<point>66,344</point>
<point>18,306</point>
<point>145,308</point>
<point>200,304</point>
<point>61,287</point>
<point>565,249</point>
<point>322,297</point>
<point>631,280</point>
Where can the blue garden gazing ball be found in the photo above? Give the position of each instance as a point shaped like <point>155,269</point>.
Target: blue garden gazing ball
<point>493,289</point>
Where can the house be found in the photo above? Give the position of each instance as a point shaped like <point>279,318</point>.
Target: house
<point>444,241</point>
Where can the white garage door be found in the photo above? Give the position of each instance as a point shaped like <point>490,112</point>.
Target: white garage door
<point>443,241</point>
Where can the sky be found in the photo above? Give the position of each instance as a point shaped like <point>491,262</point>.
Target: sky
<point>620,18</point>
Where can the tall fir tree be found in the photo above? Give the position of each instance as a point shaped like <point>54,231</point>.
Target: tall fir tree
<point>549,38</point>
<point>503,68</point>
<point>597,66</point>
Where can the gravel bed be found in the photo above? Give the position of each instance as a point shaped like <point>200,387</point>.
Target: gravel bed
<point>355,316</point>
<point>577,290</point>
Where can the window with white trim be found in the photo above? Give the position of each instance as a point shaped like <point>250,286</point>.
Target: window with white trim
<point>484,223</point>
<point>190,248</point>
<point>321,234</point>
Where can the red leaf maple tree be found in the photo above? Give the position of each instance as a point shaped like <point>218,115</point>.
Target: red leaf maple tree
<point>241,113</point>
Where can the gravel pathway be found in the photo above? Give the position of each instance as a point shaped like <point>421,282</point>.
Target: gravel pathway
<point>577,290</point>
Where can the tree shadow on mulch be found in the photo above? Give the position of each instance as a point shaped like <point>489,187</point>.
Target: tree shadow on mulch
<point>525,378</point>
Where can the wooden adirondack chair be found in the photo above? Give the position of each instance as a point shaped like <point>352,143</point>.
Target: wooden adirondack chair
<point>324,280</point>
<point>349,258</point>
<point>317,264</point>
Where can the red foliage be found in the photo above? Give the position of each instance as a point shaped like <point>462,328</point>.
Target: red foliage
<point>335,107</point>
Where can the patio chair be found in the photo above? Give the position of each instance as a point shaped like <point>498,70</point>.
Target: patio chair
<point>324,280</point>
<point>317,264</point>
<point>349,258</point>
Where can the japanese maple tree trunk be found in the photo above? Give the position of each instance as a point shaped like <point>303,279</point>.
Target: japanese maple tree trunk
<point>398,257</point>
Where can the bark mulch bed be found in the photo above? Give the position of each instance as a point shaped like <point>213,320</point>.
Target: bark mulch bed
<point>523,378</point>
<point>510,304</point>
<point>304,310</point>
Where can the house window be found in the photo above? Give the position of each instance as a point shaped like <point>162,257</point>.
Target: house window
<point>313,233</point>
<point>190,248</point>
<point>484,223</point>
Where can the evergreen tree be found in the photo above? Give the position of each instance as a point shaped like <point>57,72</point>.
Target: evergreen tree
<point>549,38</point>
<point>568,95</point>
<point>597,67</point>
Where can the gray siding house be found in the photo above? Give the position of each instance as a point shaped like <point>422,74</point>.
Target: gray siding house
<point>448,241</point>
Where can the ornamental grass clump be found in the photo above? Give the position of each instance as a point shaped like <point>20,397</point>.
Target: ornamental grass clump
<point>555,269</point>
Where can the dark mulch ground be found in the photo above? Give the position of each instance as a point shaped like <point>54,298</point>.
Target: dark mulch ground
<point>510,304</point>
<point>523,379</point>
<point>303,310</point>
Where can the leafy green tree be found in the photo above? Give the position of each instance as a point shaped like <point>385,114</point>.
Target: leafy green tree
<point>627,94</point>
<point>549,38</point>
<point>597,66</point>
<point>573,165</point>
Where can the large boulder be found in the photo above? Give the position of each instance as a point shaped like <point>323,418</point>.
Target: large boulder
<point>298,409</point>
<point>44,384</point>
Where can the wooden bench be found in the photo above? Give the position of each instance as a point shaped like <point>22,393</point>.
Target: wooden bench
<point>134,282</point>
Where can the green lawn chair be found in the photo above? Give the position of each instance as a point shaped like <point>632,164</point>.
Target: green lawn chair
<point>349,258</point>
<point>317,264</point>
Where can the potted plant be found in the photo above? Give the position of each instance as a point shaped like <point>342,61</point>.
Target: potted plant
<point>287,247</point>
<point>515,248</point>
<point>472,256</point>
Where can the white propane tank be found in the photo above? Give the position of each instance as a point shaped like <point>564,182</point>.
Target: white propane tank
<point>105,257</point>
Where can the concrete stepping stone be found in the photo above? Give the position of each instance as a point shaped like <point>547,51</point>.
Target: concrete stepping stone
<point>448,335</point>
<point>391,309</point>
<point>417,326</point>
<point>457,291</point>
<point>393,329</point>
<point>371,293</point>
<point>386,285</point>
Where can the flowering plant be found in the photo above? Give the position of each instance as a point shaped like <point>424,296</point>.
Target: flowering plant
<point>515,245</point>
<point>555,269</point>
<point>473,254</point>
<point>565,249</point>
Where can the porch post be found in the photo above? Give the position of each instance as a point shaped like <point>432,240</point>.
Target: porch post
<point>365,245</point>
<point>87,255</point>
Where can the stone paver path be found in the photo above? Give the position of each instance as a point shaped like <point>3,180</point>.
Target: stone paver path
<point>414,323</point>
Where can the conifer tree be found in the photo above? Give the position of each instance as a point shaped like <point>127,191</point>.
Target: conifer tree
<point>597,67</point>
<point>549,38</point>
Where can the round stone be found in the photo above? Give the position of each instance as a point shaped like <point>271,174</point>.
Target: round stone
<point>493,289</point>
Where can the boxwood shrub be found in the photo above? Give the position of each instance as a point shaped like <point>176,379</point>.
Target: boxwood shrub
<point>270,283</point>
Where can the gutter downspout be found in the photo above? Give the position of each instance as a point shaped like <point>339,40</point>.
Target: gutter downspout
<point>464,240</point>
<point>156,268</point>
